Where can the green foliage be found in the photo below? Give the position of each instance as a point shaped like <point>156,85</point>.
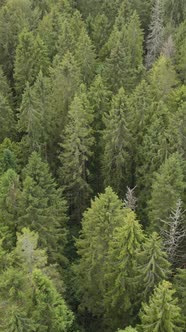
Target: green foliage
<point>116,142</point>
<point>152,265</point>
<point>180,286</point>
<point>162,313</point>
<point>42,207</point>
<point>76,152</point>
<point>167,187</point>
<point>29,47</point>
<point>124,66</point>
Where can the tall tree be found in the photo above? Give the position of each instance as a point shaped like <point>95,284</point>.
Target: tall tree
<point>28,50</point>
<point>162,313</point>
<point>168,186</point>
<point>42,207</point>
<point>76,151</point>
<point>116,142</point>
<point>124,67</point>
<point>85,57</point>
<point>152,265</point>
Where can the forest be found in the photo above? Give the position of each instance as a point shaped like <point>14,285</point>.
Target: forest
<point>92,165</point>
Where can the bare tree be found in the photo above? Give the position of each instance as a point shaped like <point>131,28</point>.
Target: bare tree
<point>174,234</point>
<point>131,200</point>
<point>156,32</point>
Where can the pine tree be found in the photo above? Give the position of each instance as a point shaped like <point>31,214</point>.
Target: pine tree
<point>128,329</point>
<point>76,152</point>
<point>162,313</point>
<point>168,186</point>
<point>32,52</point>
<point>42,207</point>
<point>152,265</point>
<point>156,32</point>
<point>116,142</point>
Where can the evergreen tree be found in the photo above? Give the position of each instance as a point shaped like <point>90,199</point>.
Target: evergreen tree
<point>99,98</point>
<point>15,15</point>
<point>152,265</point>
<point>120,291</point>
<point>42,207</point>
<point>76,152</point>
<point>180,286</point>
<point>162,313</point>
<point>9,200</point>
<point>156,32</point>
<point>85,57</point>
<point>168,186</point>
<point>33,53</point>
<point>124,65</point>
<point>7,119</point>
<point>116,142</point>
<point>98,224</point>
<point>65,79</point>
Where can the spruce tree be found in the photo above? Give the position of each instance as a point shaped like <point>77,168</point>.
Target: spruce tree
<point>167,187</point>
<point>76,151</point>
<point>162,313</point>
<point>152,265</point>
<point>98,224</point>
<point>42,207</point>
<point>7,119</point>
<point>116,143</point>
<point>120,293</point>
<point>33,53</point>
<point>124,65</point>
<point>85,57</point>
<point>180,286</point>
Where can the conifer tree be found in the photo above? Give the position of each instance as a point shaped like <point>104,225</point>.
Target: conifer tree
<point>162,313</point>
<point>85,56</point>
<point>99,98</point>
<point>116,142</point>
<point>28,50</point>
<point>124,65</point>
<point>76,152</point>
<point>65,80</point>
<point>180,286</point>
<point>120,291</point>
<point>42,207</point>
<point>152,265</point>
<point>9,200</point>
<point>128,329</point>
<point>7,119</point>
<point>98,224</point>
<point>14,17</point>
<point>168,186</point>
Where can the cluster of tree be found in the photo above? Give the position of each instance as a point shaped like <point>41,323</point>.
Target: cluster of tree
<point>93,165</point>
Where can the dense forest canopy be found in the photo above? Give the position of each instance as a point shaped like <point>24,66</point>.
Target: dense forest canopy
<point>93,165</point>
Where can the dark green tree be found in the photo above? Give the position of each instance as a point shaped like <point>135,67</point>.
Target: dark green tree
<point>76,151</point>
<point>42,207</point>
